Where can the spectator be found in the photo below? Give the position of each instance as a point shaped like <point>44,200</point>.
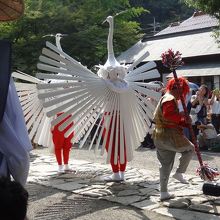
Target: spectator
<point>188,106</point>
<point>215,109</point>
<point>13,200</point>
<point>199,106</point>
<point>208,136</point>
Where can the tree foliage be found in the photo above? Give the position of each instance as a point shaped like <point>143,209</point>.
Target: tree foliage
<point>209,6</point>
<point>163,11</point>
<point>80,19</point>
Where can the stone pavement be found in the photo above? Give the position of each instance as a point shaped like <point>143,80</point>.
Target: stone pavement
<point>140,190</point>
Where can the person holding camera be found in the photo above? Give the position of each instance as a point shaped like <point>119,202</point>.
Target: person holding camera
<point>199,103</point>
<point>215,109</point>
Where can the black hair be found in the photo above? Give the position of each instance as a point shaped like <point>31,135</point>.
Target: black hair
<point>194,92</point>
<point>206,90</point>
<point>13,200</point>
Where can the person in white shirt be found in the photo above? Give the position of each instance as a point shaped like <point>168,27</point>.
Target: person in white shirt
<point>214,102</point>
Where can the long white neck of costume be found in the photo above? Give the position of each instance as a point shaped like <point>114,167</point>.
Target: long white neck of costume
<point>58,43</point>
<point>111,57</point>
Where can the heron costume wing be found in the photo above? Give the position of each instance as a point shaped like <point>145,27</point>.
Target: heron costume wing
<point>38,124</point>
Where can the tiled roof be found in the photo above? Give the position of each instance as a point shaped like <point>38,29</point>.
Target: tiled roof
<point>193,43</point>
<point>196,22</point>
<point>197,44</point>
<point>200,69</point>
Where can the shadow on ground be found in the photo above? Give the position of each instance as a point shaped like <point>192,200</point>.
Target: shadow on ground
<point>47,203</point>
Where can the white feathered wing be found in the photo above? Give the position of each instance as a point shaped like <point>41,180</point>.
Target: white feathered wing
<point>38,124</point>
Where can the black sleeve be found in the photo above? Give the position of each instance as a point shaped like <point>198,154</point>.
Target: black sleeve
<point>5,73</point>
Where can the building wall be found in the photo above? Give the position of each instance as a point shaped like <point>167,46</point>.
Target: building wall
<point>216,81</point>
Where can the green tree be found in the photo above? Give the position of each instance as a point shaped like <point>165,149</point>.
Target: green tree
<point>81,20</point>
<point>163,11</point>
<point>211,7</point>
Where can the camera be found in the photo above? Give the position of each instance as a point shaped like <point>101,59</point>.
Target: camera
<point>216,91</point>
<point>198,123</point>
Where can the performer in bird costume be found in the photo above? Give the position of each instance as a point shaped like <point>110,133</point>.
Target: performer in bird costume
<point>62,144</point>
<point>114,97</point>
<point>38,124</point>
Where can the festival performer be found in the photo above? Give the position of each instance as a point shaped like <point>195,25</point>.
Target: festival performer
<point>114,89</point>
<point>168,136</point>
<point>62,146</point>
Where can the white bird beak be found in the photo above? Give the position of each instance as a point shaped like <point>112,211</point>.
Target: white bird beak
<point>48,35</point>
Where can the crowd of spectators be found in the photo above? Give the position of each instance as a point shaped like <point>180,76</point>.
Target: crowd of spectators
<point>203,106</point>
<point>206,114</point>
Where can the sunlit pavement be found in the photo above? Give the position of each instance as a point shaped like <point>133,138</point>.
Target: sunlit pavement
<point>140,190</point>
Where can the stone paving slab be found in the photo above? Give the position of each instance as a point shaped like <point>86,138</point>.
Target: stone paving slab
<point>146,205</point>
<point>141,188</point>
<point>183,215</point>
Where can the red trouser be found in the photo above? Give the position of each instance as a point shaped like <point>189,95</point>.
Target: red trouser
<point>62,145</point>
<point>115,167</point>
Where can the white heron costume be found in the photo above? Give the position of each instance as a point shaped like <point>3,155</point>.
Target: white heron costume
<point>114,97</point>
<point>38,124</point>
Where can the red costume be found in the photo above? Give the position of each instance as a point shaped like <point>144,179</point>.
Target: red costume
<point>62,145</point>
<point>169,113</point>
